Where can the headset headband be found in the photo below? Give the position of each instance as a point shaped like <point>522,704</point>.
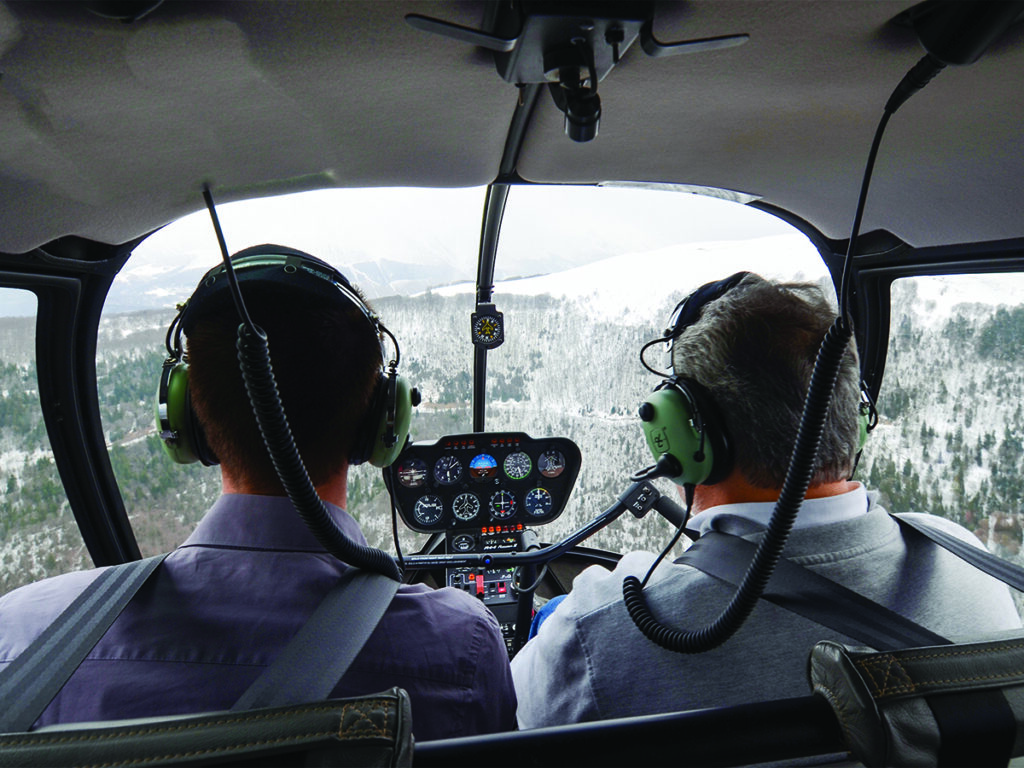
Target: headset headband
<point>687,311</point>
<point>268,265</point>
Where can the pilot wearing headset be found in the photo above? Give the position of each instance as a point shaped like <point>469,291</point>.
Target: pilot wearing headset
<point>743,350</point>
<point>222,606</point>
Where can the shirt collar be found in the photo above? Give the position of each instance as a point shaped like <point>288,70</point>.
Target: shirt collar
<point>813,512</point>
<point>264,522</point>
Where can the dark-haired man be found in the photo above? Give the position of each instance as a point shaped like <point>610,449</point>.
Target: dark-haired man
<point>222,606</point>
<point>752,349</point>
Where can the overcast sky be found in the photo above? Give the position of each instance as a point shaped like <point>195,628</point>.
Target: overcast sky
<point>545,229</point>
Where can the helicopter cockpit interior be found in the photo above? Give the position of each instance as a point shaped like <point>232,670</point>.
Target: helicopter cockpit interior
<point>524,191</point>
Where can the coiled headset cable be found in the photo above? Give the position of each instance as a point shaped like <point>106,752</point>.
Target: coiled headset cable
<point>805,450</point>
<point>258,374</point>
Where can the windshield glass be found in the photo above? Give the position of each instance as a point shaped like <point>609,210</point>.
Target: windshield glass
<point>394,244</point>
<point>584,276</point>
<point>621,259</point>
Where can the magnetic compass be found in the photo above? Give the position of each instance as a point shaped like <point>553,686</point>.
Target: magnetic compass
<point>488,326</point>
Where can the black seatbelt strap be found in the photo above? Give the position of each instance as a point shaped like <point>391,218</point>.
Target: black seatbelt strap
<point>29,683</point>
<point>314,661</point>
<point>982,559</point>
<point>804,592</point>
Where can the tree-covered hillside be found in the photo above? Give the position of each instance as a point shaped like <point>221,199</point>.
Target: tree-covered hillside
<point>950,441</point>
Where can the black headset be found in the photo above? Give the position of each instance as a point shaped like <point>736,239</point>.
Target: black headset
<point>384,429</point>
<point>682,425</point>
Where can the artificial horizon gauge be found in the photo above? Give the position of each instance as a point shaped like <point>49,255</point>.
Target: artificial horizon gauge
<point>483,467</point>
<point>465,506</point>
<point>503,505</point>
<point>448,470</point>
<point>428,509</point>
<point>517,465</point>
<point>537,502</point>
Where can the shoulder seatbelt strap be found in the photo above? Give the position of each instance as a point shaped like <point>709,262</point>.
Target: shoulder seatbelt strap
<point>314,661</point>
<point>804,592</point>
<point>976,727</point>
<point>29,683</point>
<point>982,559</point>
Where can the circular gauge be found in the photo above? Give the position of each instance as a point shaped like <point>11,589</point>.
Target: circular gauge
<point>428,510</point>
<point>551,463</point>
<point>503,505</point>
<point>537,502</point>
<point>517,465</point>
<point>448,470</point>
<point>487,329</point>
<point>483,467</point>
<point>412,473</point>
<point>465,506</point>
<point>463,543</point>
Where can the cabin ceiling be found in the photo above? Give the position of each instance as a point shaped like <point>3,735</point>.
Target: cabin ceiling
<point>109,129</point>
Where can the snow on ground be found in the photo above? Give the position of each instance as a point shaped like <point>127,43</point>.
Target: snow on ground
<point>639,284</point>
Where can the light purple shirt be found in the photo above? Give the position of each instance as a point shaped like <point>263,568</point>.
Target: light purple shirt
<point>224,604</point>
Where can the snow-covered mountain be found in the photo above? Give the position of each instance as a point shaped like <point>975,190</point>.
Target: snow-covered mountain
<point>951,438</point>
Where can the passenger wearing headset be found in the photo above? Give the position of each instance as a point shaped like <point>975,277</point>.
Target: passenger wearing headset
<point>743,350</point>
<point>222,606</point>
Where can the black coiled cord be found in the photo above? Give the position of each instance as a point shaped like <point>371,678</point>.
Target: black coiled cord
<point>258,374</point>
<point>794,488</point>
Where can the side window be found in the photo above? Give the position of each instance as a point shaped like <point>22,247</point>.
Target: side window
<point>950,438</point>
<point>38,534</point>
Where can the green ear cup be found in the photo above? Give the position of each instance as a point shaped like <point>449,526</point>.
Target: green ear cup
<point>393,425</point>
<point>173,422</point>
<point>667,419</point>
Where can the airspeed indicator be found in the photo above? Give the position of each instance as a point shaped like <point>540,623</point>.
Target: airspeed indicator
<point>517,465</point>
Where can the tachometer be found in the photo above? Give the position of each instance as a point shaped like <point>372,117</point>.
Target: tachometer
<point>428,509</point>
<point>537,502</point>
<point>465,506</point>
<point>517,465</point>
<point>448,470</point>
<point>503,505</point>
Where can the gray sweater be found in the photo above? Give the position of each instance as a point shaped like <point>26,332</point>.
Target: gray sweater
<point>589,661</point>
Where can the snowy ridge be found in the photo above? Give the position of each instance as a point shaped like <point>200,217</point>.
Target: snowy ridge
<point>635,286</point>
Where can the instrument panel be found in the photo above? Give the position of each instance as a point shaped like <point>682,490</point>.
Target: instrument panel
<point>483,480</point>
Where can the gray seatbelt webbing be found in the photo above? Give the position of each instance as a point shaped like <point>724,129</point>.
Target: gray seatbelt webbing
<point>815,597</point>
<point>30,682</point>
<point>982,559</point>
<point>314,661</point>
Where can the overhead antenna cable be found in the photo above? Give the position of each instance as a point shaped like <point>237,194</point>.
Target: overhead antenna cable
<point>957,33</point>
<point>258,374</point>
